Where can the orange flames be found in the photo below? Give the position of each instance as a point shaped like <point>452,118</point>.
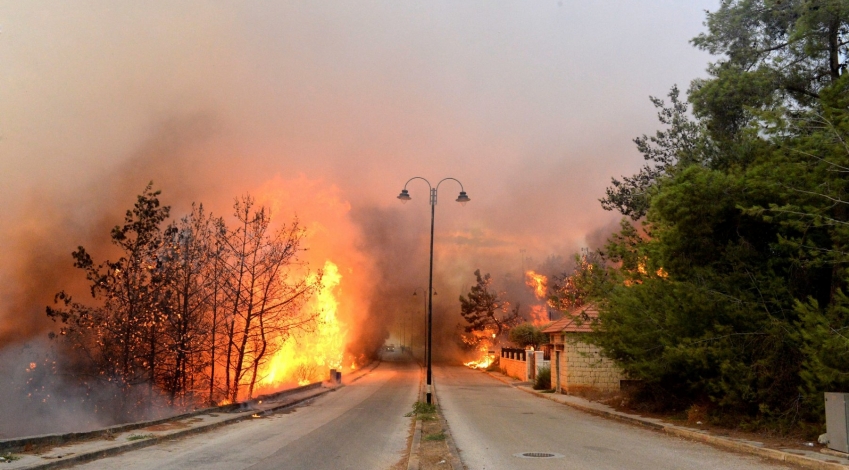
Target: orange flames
<point>484,360</point>
<point>643,270</point>
<point>306,358</point>
<point>539,315</point>
<point>537,282</point>
<point>322,210</point>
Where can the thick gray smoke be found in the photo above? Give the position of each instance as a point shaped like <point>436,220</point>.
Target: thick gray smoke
<point>41,395</point>
<point>400,267</point>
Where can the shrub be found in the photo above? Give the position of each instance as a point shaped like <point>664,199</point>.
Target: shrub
<point>543,380</point>
<point>423,411</point>
<point>527,334</point>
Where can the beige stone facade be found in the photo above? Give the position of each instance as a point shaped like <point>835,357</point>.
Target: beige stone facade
<point>582,367</point>
<point>576,364</point>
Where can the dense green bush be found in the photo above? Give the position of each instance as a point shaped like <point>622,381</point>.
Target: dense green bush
<point>543,379</point>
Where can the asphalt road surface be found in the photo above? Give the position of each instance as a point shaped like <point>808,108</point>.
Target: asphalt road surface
<point>491,421</point>
<point>360,426</point>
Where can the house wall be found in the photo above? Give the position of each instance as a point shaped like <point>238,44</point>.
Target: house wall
<point>514,368</point>
<point>583,367</point>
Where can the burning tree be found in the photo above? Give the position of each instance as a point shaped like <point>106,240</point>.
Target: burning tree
<point>119,334</point>
<point>189,259</point>
<point>573,289</point>
<point>263,302</point>
<point>484,309</point>
<point>177,300</point>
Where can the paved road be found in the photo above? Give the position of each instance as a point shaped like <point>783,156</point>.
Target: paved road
<point>360,426</point>
<point>491,421</point>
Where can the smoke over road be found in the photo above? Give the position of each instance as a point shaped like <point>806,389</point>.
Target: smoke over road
<point>323,111</point>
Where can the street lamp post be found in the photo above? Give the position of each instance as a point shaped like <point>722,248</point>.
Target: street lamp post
<point>462,199</point>
<point>424,346</point>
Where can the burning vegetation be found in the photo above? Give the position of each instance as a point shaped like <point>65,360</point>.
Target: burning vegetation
<point>486,310</point>
<point>202,311</point>
<point>539,284</point>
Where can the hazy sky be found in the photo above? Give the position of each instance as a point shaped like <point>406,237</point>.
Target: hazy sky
<point>531,104</point>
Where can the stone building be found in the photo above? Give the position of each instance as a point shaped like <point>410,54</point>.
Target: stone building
<point>575,364</point>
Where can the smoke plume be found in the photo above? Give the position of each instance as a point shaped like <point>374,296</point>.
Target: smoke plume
<point>323,111</point>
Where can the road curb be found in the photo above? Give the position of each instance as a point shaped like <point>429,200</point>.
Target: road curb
<point>20,443</point>
<point>693,434</point>
<point>58,440</point>
<point>413,459</point>
<point>125,447</point>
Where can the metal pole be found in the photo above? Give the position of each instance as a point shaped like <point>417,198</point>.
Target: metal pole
<point>424,334</point>
<point>430,297</point>
<point>462,199</point>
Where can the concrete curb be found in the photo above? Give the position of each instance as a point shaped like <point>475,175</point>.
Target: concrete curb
<point>413,458</point>
<point>693,434</point>
<point>20,443</point>
<point>70,438</point>
<point>125,447</point>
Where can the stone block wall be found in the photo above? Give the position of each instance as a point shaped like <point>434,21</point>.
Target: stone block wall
<point>583,367</point>
<point>514,368</point>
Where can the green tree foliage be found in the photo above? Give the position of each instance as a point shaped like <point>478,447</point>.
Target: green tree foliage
<point>484,310</point>
<point>733,291</point>
<point>774,53</point>
<point>527,334</point>
<point>681,144</point>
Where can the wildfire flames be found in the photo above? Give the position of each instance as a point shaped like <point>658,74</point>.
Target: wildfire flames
<point>641,268</point>
<point>539,315</point>
<point>537,282</point>
<point>485,358</point>
<point>307,357</point>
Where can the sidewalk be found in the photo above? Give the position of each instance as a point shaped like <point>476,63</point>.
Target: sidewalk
<point>139,435</point>
<point>803,458</point>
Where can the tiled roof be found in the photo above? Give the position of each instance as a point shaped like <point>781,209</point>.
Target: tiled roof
<point>576,320</point>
